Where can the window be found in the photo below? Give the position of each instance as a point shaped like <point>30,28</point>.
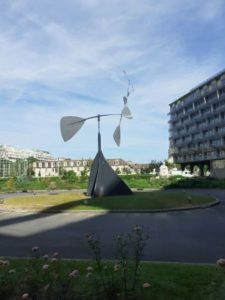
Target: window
<point>204,90</point>
<point>219,164</point>
<point>213,85</point>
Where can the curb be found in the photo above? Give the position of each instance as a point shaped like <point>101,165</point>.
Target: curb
<point>113,260</point>
<point>214,203</point>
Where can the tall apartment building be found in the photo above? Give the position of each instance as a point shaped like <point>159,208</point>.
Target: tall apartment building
<point>197,127</point>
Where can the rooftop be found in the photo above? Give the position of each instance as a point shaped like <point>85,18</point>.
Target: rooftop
<point>216,76</point>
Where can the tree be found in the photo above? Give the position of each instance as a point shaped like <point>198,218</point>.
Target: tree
<point>84,174</point>
<point>118,171</point>
<point>154,165</point>
<point>69,176</point>
<point>30,161</point>
<point>9,184</point>
<point>126,170</point>
<point>171,165</point>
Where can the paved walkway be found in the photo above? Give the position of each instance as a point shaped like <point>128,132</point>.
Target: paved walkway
<point>186,236</point>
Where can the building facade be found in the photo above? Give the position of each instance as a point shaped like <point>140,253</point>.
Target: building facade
<point>53,168</point>
<point>197,127</point>
<point>14,162</point>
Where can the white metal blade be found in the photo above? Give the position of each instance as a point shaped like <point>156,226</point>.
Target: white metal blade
<point>116,135</point>
<point>70,126</point>
<point>126,112</point>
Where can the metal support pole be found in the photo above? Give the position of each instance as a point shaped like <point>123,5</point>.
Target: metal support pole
<point>99,134</point>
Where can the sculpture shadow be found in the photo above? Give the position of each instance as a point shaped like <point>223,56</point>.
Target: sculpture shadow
<point>140,201</point>
<point>184,236</point>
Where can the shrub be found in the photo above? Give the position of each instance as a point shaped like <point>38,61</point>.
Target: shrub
<point>129,251</point>
<point>44,277</point>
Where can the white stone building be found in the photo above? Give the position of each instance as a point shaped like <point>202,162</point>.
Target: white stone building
<point>10,152</point>
<point>47,166</point>
<point>52,168</point>
<point>163,170</point>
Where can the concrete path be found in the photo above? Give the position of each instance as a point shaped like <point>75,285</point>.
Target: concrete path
<point>186,236</point>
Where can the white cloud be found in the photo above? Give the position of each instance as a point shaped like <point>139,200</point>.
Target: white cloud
<point>59,61</point>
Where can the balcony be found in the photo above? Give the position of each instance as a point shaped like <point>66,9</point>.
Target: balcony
<point>173,117</point>
<point>184,150</point>
<point>203,125</point>
<point>215,122</point>
<point>186,119</point>
<point>212,96</point>
<point>194,149</point>
<point>206,113</point>
<point>182,132</point>
<point>212,156</point>
<point>177,106</point>
<point>199,157</point>
<point>179,125</point>
<point>220,108</point>
<point>174,135</point>
<point>173,151</point>
<point>198,137</point>
<point>179,143</point>
<point>200,105</point>
<point>195,116</point>
<point>218,143</point>
<point>221,131</point>
<point>205,147</point>
<point>189,110</point>
<point>180,160</point>
<point>188,140</point>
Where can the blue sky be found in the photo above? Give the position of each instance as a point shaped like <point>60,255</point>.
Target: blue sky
<point>61,58</point>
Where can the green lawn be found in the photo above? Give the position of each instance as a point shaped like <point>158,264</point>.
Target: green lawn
<point>133,181</point>
<point>77,201</point>
<point>169,281</point>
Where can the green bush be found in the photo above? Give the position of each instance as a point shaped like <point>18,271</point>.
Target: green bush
<point>70,181</point>
<point>43,277</point>
<point>198,182</point>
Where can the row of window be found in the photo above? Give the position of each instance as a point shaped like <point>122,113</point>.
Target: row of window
<point>219,164</point>
<point>187,122</point>
<point>53,164</point>
<point>191,131</point>
<point>198,104</point>
<point>196,137</point>
<point>83,163</point>
<point>200,156</point>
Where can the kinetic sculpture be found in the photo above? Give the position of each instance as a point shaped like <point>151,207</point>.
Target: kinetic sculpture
<point>103,181</point>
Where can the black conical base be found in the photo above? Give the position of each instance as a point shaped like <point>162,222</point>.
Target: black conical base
<point>103,181</point>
